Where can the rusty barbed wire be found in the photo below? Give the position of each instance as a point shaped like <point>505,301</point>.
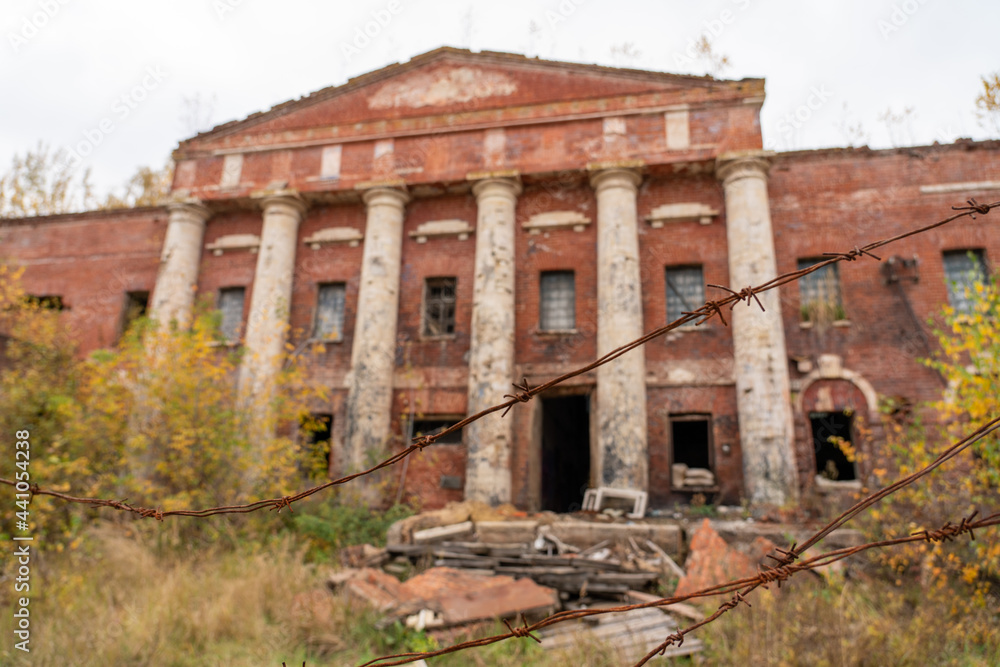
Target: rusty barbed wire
<point>526,392</point>
<point>788,562</point>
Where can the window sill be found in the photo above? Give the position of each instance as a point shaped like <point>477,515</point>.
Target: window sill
<point>325,341</point>
<point>556,332</point>
<point>840,324</point>
<point>438,337</point>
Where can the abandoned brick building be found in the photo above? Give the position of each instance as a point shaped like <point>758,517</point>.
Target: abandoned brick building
<point>463,220</point>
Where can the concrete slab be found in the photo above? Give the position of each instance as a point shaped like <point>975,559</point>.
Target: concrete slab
<point>508,532</point>
<point>457,531</point>
<point>585,534</point>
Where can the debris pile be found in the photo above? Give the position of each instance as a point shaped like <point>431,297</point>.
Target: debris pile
<point>445,597</point>
<point>478,564</point>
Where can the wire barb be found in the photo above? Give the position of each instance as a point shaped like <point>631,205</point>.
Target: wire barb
<point>744,294</point>
<point>523,395</point>
<point>973,207</point>
<point>422,441</point>
<point>675,639</point>
<point>521,631</point>
<point>852,255</point>
<point>282,503</point>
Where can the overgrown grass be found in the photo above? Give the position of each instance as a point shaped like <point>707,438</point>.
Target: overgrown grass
<point>120,599</point>
<point>860,622</point>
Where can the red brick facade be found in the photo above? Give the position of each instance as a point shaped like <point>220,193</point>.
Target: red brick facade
<point>431,126</point>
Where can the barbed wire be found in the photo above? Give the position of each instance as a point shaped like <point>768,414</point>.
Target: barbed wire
<point>787,563</point>
<point>525,392</point>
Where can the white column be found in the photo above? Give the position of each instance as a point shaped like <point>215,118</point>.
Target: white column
<point>270,302</point>
<point>491,354</point>
<point>760,359</point>
<point>621,385</point>
<point>373,357</point>
<point>173,296</point>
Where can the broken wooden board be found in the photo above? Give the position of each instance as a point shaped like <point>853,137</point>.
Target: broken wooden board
<point>632,634</point>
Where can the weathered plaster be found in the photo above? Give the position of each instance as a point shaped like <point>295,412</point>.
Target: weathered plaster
<point>762,387</point>
<point>173,297</point>
<point>622,459</point>
<point>491,354</point>
<point>272,292</point>
<point>442,86</point>
<point>373,357</point>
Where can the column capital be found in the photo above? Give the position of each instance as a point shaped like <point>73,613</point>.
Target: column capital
<point>497,187</point>
<point>290,200</point>
<point>385,196</point>
<point>615,177</point>
<point>188,210</point>
<point>731,167</point>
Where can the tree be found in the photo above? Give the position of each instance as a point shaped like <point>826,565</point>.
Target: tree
<point>969,360</point>
<point>44,182</point>
<point>157,420</point>
<point>988,103</point>
<point>715,63</point>
<point>147,187</point>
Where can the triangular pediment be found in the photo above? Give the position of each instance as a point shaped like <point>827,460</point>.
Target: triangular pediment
<point>457,87</point>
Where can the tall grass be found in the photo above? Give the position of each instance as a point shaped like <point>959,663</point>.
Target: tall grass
<point>122,598</point>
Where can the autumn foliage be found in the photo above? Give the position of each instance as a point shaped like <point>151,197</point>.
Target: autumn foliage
<point>157,420</point>
<point>969,360</point>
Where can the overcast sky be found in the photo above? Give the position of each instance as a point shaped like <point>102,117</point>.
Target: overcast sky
<point>115,74</point>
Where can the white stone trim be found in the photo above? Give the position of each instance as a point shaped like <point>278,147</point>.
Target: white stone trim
<point>541,222</point>
<point>677,128</point>
<point>830,368</point>
<point>232,170</point>
<point>232,242</point>
<point>943,188</point>
<point>682,212</point>
<point>440,228</point>
<point>332,235</point>
<point>330,161</point>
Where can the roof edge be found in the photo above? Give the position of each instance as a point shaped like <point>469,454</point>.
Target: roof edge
<point>440,53</point>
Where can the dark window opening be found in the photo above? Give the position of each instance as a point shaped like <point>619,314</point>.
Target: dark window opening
<point>831,460</point>
<point>434,426</point>
<point>48,301</point>
<point>685,291</point>
<point>231,305</point>
<point>439,306</point>
<point>690,435</point>
<point>557,301</point>
<point>316,448</point>
<point>329,323</point>
<point>565,452</point>
<point>136,304</point>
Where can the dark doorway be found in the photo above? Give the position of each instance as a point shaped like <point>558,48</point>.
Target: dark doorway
<point>565,452</point>
<point>831,461</point>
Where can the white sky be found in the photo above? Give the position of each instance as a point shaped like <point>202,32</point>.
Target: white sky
<point>64,69</point>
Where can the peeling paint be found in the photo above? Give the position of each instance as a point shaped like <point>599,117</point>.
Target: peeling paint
<point>621,385</point>
<point>369,399</point>
<point>763,396</point>
<point>491,354</point>
<point>442,86</point>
